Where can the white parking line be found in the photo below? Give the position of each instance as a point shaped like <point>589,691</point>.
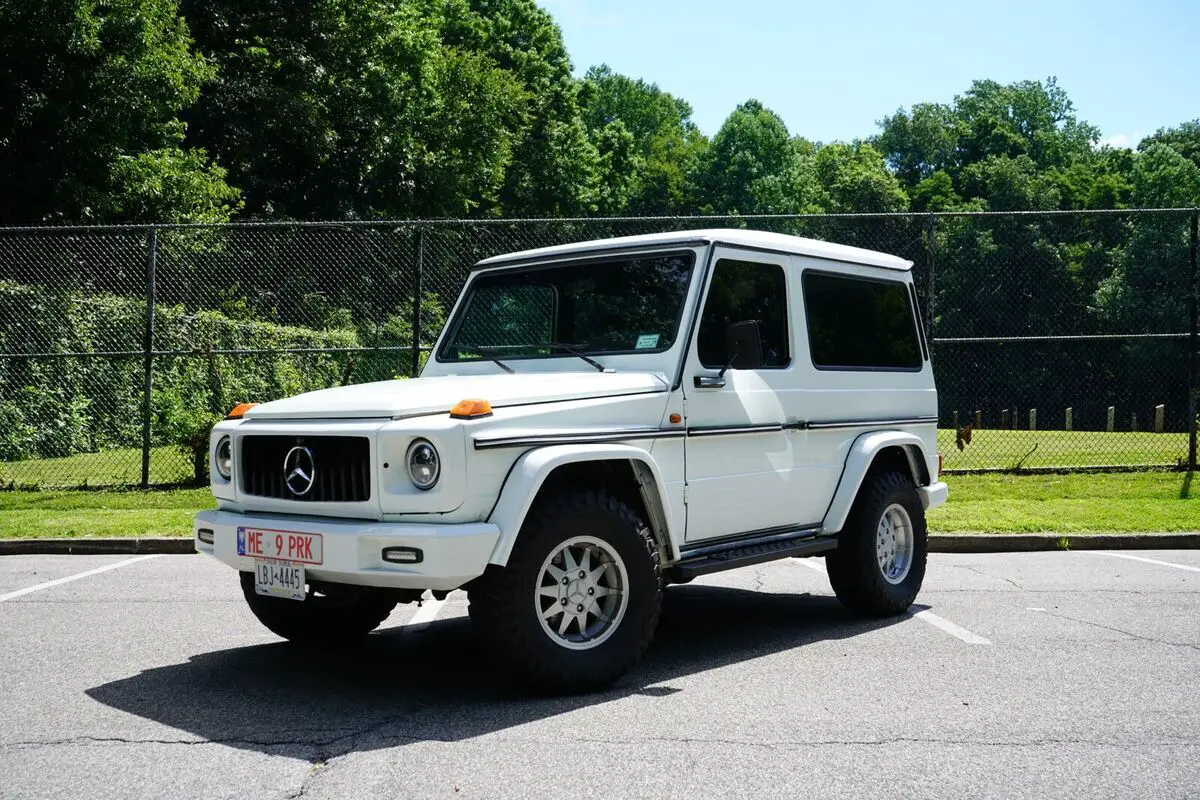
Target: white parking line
<point>925,616</point>
<point>69,578</point>
<point>949,627</point>
<point>425,615</point>
<point>1146,560</point>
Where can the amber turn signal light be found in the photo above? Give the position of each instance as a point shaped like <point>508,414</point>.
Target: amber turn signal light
<point>240,410</point>
<point>471,409</point>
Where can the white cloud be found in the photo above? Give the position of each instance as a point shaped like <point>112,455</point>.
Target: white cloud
<point>1126,140</point>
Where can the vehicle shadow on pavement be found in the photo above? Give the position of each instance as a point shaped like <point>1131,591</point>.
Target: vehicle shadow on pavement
<point>400,687</point>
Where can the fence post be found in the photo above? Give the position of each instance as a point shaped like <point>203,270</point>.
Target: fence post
<point>931,249</point>
<point>1069,415</point>
<point>418,290</point>
<point>1194,354</point>
<point>148,357</point>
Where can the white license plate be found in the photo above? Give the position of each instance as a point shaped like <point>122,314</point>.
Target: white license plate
<point>300,548</point>
<point>279,579</point>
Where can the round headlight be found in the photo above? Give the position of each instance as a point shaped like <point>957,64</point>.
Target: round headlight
<point>223,459</point>
<point>424,466</point>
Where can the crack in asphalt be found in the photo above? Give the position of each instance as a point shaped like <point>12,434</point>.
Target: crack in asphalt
<point>1130,634</point>
<point>979,571</point>
<point>297,740</point>
<point>314,770</point>
<point>779,745</point>
<point>322,764</point>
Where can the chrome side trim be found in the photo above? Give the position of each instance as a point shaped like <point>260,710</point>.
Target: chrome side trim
<point>866,423</point>
<point>733,430</point>
<point>633,434</point>
<point>594,437</point>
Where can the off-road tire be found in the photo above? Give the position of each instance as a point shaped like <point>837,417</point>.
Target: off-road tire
<point>339,618</point>
<point>504,610</point>
<point>854,569</point>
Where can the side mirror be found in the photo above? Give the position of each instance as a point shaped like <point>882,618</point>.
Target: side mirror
<point>744,343</point>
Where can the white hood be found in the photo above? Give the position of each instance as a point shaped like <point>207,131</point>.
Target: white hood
<point>417,396</point>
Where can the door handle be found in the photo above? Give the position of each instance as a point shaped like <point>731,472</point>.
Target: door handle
<point>709,381</point>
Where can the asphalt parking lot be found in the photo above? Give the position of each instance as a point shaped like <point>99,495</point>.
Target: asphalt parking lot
<point>1069,674</point>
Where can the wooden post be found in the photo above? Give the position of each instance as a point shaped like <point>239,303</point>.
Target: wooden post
<point>978,420</point>
<point>1033,419</point>
<point>1158,418</point>
<point>1133,422</point>
<point>1112,416</point>
<point>955,415</point>
<point>1069,421</point>
<point>1004,419</point>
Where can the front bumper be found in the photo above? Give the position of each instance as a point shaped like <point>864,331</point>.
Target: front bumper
<point>933,495</point>
<point>452,554</point>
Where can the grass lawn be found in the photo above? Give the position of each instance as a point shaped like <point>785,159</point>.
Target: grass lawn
<point>1149,501</point>
<point>1080,503</point>
<point>167,465</point>
<point>100,513</point>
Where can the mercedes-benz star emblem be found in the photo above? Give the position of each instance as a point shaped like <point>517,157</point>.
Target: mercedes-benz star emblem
<point>299,471</point>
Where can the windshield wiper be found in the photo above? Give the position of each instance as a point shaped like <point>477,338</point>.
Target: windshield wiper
<point>488,353</point>
<point>574,350</point>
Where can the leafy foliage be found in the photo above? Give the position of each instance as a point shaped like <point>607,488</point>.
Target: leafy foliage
<point>89,115</point>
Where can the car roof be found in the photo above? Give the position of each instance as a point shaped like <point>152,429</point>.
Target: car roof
<point>763,240</point>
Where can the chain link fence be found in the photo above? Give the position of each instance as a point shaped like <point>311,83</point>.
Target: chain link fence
<point>1060,340</point>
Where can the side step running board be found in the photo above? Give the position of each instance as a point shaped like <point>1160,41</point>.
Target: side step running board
<point>746,553</point>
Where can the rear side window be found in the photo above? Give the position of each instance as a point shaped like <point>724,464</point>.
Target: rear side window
<point>858,323</point>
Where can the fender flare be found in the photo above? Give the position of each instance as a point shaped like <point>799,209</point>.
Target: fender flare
<point>858,462</point>
<point>531,469</point>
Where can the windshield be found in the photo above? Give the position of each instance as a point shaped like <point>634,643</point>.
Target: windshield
<point>623,305</point>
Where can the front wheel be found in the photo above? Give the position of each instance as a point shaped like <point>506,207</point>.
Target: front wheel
<point>578,601</point>
<point>879,565</point>
<point>329,614</point>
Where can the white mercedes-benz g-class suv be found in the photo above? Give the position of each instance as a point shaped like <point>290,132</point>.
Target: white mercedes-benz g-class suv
<point>597,421</point>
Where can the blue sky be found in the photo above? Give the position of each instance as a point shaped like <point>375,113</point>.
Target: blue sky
<point>832,69</point>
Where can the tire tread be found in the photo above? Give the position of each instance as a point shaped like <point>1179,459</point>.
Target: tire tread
<point>496,602</point>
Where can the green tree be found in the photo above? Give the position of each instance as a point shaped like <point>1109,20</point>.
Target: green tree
<point>89,115</point>
<point>666,143</point>
<point>1148,289</point>
<point>1002,147</point>
<point>855,180</point>
<point>754,167</point>
<point>555,167</point>
<point>354,108</point>
<point>1183,139</point>
<point>919,143</point>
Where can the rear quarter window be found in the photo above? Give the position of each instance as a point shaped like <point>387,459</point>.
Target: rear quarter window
<point>860,323</point>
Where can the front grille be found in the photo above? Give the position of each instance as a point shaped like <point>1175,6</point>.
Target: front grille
<point>340,468</point>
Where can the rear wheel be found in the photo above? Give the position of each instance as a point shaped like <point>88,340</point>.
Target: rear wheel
<point>329,613</point>
<point>879,565</point>
<point>578,601</point>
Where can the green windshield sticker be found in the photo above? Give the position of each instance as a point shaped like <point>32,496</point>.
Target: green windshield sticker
<point>647,341</point>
